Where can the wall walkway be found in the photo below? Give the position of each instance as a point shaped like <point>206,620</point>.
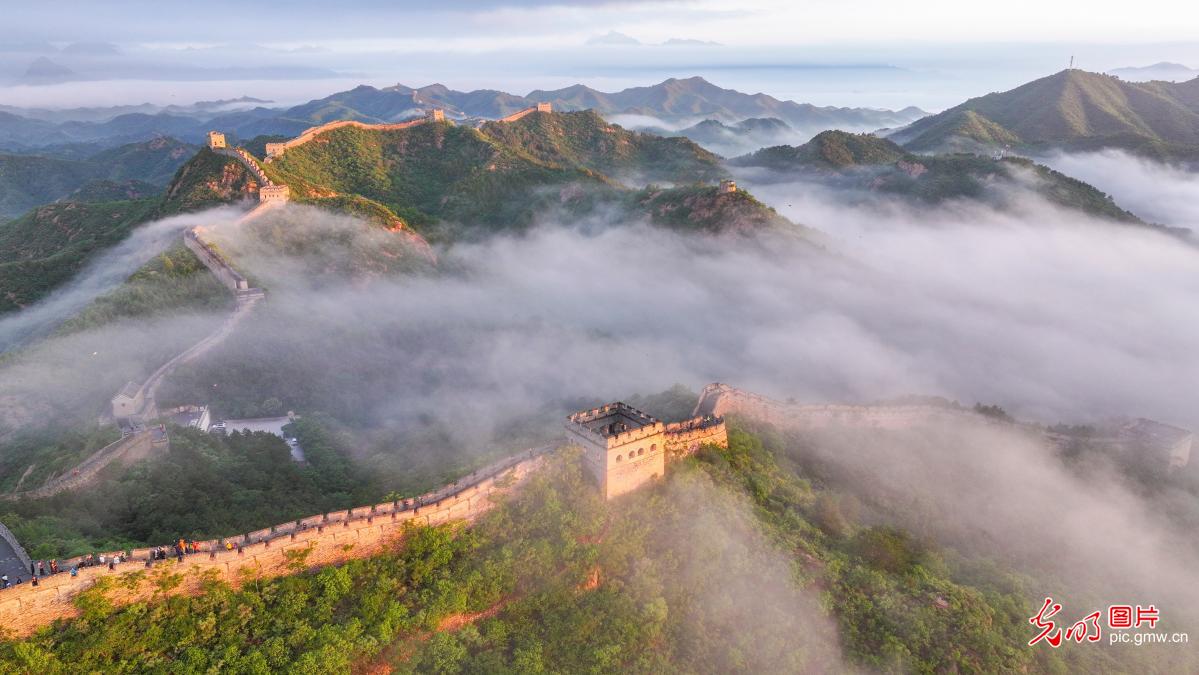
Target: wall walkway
<point>319,540</point>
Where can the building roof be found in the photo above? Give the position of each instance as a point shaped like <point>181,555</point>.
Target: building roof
<point>129,390</point>
<point>612,419</point>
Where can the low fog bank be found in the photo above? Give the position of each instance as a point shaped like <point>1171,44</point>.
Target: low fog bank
<point>1049,314</point>
<point>741,608</point>
<point>104,273</point>
<point>1045,311</point>
<point>726,142</point>
<point>1083,537</point>
<point>1157,192</point>
<point>68,380</point>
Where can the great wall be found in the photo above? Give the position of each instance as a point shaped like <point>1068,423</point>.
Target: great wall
<point>306,543</point>
<point>624,449</point>
<point>135,405</point>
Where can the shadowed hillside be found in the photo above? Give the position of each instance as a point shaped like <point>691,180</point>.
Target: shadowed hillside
<point>868,163</point>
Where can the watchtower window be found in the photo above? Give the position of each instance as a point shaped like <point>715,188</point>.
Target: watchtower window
<point>618,458</point>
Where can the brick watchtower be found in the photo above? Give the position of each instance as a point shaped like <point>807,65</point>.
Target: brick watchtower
<point>623,447</point>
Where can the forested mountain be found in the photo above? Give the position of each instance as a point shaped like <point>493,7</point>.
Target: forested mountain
<point>870,164</point>
<point>27,181</point>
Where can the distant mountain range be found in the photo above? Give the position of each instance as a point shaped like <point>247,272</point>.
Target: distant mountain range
<point>1166,71</point>
<point>1072,110</point>
<point>673,100</point>
<point>735,139</point>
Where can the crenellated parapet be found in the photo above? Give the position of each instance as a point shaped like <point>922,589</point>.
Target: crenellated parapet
<point>625,448</point>
<point>321,539</point>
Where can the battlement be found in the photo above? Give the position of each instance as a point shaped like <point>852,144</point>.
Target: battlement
<point>274,193</point>
<point>216,140</point>
<point>615,423</point>
<point>539,108</point>
<point>625,448</point>
<point>269,552</point>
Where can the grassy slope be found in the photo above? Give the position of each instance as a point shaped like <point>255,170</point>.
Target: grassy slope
<point>494,178</point>
<point>1072,109</point>
<point>425,174</point>
<point>583,140</point>
<point>174,281</point>
<point>47,246</point>
<point>703,208</point>
<point>28,181</point>
<point>669,579</point>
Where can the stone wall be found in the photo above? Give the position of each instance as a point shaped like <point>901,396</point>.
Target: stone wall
<point>9,537</point>
<point>231,278</point>
<point>128,449</point>
<point>684,438</point>
<point>720,400</point>
<point>327,538</point>
<point>540,107</point>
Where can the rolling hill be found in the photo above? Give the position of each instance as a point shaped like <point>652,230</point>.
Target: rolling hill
<point>870,164</point>
<point>49,245</point>
<point>28,181</point>
<point>1072,110</point>
<point>447,180</point>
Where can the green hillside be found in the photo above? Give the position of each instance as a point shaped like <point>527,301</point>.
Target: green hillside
<point>707,209</point>
<point>554,580</point>
<point>49,245</point>
<point>206,180</point>
<point>27,181</point>
<point>1072,109</point>
<point>113,191</point>
<point>175,281</point>
<point>583,140</point>
<point>154,161</point>
<point>871,164</point>
<point>446,180</point>
<point>831,151</point>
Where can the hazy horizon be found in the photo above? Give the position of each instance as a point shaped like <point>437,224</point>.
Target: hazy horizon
<point>824,55</point>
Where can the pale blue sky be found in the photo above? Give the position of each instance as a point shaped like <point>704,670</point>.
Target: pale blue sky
<point>930,53</point>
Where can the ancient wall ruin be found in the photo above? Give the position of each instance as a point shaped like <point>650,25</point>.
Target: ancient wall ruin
<point>320,540</point>
<point>540,107</point>
<point>128,449</point>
